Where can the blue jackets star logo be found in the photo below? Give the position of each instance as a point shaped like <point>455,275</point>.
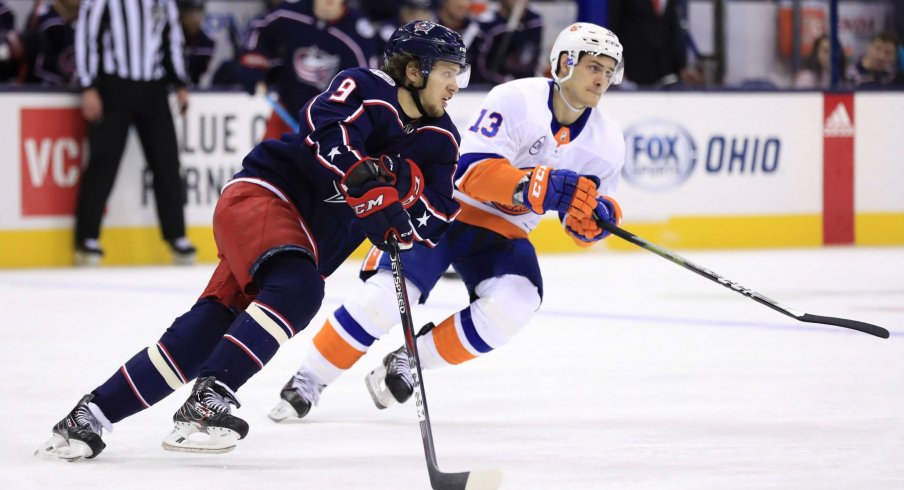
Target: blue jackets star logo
<point>424,26</point>
<point>334,153</point>
<point>422,221</point>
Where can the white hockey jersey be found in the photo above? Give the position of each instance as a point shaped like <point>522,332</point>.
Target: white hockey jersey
<point>515,131</point>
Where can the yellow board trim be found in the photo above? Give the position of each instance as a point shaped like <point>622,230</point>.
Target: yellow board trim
<point>700,232</point>
<point>144,246</point>
<point>879,229</point>
<point>122,246</point>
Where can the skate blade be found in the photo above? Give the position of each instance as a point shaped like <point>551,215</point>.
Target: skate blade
<point>189,438</point>
<point>58,447</point>
<point>378,390</point>
<point>184,259</point>
<point>83,259</point>
<point>284,413</point>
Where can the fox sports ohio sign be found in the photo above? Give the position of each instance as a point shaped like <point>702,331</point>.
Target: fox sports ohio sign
<point>659,155</point>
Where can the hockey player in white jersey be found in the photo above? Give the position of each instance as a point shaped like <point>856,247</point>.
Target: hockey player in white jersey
<point>536,145</point>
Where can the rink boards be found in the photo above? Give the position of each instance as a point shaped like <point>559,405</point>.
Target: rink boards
<point>703,170</point>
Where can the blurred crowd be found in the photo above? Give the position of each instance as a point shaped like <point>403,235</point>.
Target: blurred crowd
<point>505,40</point>
<point>41,50</point>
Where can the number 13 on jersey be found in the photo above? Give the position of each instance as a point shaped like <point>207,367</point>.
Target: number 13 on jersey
<point>490,127</point>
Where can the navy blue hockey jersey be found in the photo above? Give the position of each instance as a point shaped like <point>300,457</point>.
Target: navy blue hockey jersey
<point>300,54</point>
<point>51,49</point>
<point>522,57</point>
<point>198,51</point>
<point>358,116</point>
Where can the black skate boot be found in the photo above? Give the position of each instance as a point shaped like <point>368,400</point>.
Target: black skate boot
<point>78,435</point>
<point>184,253</point>
<point>297,397</point>
<point>207,411</point>
<point>391,381</point>
<point>88,253</point>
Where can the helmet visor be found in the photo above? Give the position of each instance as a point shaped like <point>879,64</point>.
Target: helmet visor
<point>447,72</point>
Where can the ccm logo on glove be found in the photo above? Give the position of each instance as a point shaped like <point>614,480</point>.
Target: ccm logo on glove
<point>364,209</point>
<point>538,187</point>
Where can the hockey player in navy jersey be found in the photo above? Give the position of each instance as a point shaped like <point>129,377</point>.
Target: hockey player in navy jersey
<point>534,146</point>
<point>298,49</point>
<point>375,150</point>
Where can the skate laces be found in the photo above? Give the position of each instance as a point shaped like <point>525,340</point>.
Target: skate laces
<point>397,365</point>
<point>84,419</point>
<point>306,386</point>
<point>215,397</point>
<point>214,401</point>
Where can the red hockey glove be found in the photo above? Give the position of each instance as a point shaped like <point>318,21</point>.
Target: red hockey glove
<point>402,173</point>
<point>376,203</point>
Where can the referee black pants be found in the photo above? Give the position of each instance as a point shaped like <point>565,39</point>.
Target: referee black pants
<point>146,105</point>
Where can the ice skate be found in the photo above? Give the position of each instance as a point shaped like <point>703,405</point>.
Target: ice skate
<point>205,423</point>
<point>391,381</point>
<point>78,435</point>
<point>88,253</point>
<point>297,397</point>
<point>184,253</point>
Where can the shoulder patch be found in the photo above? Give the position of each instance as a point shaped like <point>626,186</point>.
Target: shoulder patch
<point>385,76</point>
<point>364,28</point>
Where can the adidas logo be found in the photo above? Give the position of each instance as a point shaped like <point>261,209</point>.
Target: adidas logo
<point>838,124</point>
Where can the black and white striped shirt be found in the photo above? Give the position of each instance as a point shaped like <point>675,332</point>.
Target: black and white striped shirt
<point>131,39</point>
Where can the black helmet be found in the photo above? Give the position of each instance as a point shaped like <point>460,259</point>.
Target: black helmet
<point>430,42</point>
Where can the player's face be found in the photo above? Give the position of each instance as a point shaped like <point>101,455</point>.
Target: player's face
<point>880,55</point>
<point>592,77</point>
<point>328,6</point>
<point>441,86</point>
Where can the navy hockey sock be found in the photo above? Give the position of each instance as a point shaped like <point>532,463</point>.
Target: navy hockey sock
<point>155,372</point>
<point>291,294</point>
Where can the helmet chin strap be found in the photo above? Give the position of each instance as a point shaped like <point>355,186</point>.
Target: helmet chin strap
<point>559,81</point>
<point>416,95</point>
<point>567,104</point>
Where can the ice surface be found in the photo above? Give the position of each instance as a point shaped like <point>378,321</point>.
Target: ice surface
<point>635,374</point>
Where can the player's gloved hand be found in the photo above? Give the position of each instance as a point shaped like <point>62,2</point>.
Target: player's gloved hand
<point>559,189</point>
<point>409,180</point>
<point>375,201</point>
<point>588,230</point>
<point>402,173</point>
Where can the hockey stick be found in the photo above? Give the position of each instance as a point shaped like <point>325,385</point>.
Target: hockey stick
<point>439,480</point>
<point>759,298</point>
<point>282,112</point>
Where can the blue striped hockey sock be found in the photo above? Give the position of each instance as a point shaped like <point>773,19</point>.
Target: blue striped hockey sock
<point>291,294</point>
<point>155,372</point>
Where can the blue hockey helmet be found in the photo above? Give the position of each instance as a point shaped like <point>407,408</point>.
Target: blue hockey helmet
<point>430,42</point>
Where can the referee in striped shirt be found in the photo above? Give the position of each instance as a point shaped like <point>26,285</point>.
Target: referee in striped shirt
<point>128,54</point>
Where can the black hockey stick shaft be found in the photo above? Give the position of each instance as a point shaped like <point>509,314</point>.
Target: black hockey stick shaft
<point>438,479</point>
<point>738,288</point>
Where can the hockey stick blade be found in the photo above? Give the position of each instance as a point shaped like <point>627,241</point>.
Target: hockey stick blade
<point>468,480</point>
<point>844,322</point>
<point>738,288</point>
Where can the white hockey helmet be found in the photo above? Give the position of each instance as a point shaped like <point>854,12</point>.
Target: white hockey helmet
<point>582,37</point>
